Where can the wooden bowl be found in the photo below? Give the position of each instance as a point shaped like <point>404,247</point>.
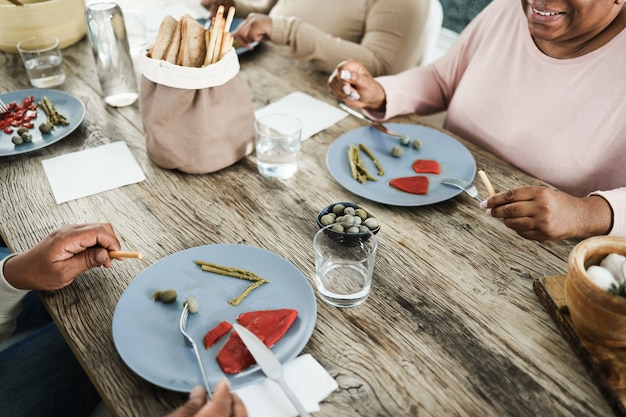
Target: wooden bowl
<point>64,19</point>
<point>596,313</point>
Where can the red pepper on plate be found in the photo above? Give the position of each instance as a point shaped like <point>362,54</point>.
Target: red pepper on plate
<point>426,166</point>
<point>417,184</point>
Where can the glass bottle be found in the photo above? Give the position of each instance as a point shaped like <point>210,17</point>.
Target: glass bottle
<point>111,52</point>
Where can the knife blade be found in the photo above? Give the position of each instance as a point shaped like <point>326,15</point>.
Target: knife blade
<point>269,364</point>
<point>376,125</point>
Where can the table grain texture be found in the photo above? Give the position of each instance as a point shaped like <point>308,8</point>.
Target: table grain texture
<point>452,326</point>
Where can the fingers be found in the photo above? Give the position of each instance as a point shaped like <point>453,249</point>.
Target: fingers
<point>64,254</point>
<point>197,399</point>
<point>223,404</point>
<point>255,28</point>
<point>347,87</point>
<point>537,213</point>
<point>239,409</point>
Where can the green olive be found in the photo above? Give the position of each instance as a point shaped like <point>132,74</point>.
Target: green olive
<point>396,151</point>
<point>22,130</point>
<point>327,219</point>
<point>27,137</point>
<point>372,223</point>
<point>45,127</point>
<point>361,213</point>
<point>417,144</point>
<point>17,140</point>
<point>338,209</point>
<point>165,296</point>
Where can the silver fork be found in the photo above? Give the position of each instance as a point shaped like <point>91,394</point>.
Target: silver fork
<point>189,341</point>
<point>404,139</point>
<point>468,187</point>
<point>3,107</point>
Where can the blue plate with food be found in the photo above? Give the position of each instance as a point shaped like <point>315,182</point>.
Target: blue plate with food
<point>27,113</point>
<point>146,332</point>
<point>451,157</point>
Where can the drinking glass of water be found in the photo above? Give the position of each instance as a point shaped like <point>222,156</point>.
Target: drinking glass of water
<point>43,62</point>
<point>278,143</point>
<point>344,265</point>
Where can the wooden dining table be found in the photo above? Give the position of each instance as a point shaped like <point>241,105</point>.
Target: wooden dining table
<point>452,326</point>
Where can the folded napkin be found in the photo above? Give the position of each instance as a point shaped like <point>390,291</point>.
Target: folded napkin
<point>314,114</point>
<point>309,381</point>
<point>91,171</point>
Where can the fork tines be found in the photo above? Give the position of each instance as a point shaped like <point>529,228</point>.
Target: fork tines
<point>3,107</point>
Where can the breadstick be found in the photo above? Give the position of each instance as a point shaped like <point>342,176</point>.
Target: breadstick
<point>213,35</point>
<point>229,19</point>
<point>121,254</point>
<point>486,182</point>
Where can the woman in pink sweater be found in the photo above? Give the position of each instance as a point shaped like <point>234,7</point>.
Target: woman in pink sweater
<point>541,86</point>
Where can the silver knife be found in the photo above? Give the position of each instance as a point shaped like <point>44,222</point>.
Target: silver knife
<point>268,363</point>
<point>376,125</point>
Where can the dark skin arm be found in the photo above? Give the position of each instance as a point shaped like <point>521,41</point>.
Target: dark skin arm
<point>543,214</point>
<point>536,213</point>
<point>61,256</point>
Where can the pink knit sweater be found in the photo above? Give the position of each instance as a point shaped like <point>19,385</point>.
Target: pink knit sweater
<point>560,120</point>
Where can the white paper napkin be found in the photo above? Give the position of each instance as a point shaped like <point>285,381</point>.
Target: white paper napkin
<point>79,174</point>
<point>314,114</point>
<point>309,381</point>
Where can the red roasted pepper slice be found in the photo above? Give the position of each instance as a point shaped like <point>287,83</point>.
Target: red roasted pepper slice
<point>234,357</point>
<point>269,326</point>
<point>426,166</point>
<point>216,333</point>
<point>417,184</point>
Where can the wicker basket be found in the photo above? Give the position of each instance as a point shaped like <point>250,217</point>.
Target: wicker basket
<point>64,19</point>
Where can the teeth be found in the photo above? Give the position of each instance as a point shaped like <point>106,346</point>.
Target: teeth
<point>542,13</point>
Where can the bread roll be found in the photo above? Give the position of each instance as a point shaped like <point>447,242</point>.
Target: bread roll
<point>167,29</point>
<point>171,54</point>
<point>192,43</point>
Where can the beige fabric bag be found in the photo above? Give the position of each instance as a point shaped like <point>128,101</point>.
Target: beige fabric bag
<point>196,120</point>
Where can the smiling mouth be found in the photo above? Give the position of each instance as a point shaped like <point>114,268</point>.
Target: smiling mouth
<point>546,13</point>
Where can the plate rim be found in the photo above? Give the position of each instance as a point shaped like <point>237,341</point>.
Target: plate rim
<point>44,92</point>
<point>252,374</point>
<point>401,127</point>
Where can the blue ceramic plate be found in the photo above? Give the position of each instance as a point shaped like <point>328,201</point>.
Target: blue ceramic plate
<point>69,106</point>
<point>236,22</point>
<point>146,332</point>
<point>454,158</point>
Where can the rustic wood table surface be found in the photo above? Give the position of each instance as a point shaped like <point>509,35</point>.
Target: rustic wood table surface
<point>452,326</point>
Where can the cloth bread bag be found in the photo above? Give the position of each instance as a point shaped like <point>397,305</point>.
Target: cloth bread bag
<point>196,120</point>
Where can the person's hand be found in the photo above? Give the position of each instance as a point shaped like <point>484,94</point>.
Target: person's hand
<point>544,214</point>
<point>212,5</point>
<point>61,256</point>
<point>255,28</point>
<point>223,404</point>
<point>352,83</point>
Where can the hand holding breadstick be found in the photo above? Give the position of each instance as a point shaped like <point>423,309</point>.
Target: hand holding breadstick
<point>486,182</point>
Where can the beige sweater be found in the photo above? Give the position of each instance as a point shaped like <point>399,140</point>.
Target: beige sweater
<point>385,35</point>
